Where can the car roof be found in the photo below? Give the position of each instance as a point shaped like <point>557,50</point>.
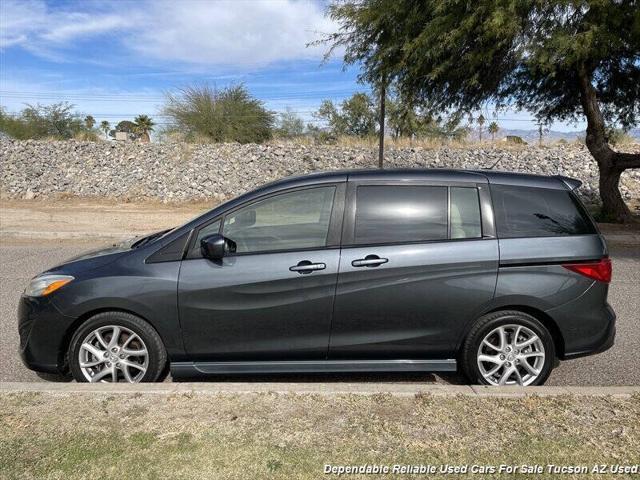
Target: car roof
<point>435,174</point>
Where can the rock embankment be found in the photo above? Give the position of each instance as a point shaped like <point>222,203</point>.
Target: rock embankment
<point>182,172</point>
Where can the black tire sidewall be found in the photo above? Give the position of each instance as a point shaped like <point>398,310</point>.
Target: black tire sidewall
<point>493,320</point>
<point>155,347</point>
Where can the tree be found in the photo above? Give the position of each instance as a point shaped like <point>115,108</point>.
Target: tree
<point>105,126</point>
<point>125,126</point>
<point>202,113</point>
<point>481,121</point>
<point>289,125</point>
<point>560,60</point>
<point>89,122</point>
<point>407,120</point>
<point>144,125</point>
<point>493,130</point>
<point>356,116</point>
<point>57,120</point>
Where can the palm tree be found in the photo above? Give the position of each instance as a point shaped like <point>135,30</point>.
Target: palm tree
<point>105,127</point>
<point>144,125</point>
<point>89,122</point>
<point>493,129</point>
<point>480,125</point>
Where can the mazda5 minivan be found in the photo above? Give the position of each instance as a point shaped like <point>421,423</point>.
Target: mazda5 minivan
<point>496,274</point>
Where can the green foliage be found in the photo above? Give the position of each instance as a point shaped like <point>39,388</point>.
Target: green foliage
<point>15,127</point>
<point>459,54</point>
<point>356,116</point>
<point>289,125</point>
<point>89,122</point>
<point>493,129</point>
<point>618,136</point>
<point>480,121</point>
<point>321,136</point>
<point>202,113</point>
<point>57,121</point>
<point>105,126</point>
<point>406,120</point>
<point>126,126</point>
<point>143,125</point>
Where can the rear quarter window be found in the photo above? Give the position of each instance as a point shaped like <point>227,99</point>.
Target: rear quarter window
<point>538,212</point>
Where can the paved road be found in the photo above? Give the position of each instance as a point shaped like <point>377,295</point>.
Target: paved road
<point>20,260</point>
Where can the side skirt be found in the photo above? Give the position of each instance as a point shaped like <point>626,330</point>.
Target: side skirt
<point>194,369</point>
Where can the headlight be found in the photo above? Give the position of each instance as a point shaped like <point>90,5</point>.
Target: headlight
<point>46,284</point>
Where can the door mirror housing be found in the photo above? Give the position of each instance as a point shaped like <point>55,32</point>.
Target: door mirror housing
<point>216,246</point>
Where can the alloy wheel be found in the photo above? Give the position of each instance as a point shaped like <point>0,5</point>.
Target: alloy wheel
<point>113,353</point>
<point>511,355</point>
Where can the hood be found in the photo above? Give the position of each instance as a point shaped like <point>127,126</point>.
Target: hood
<point>103,256</point>
<point>94,258</point>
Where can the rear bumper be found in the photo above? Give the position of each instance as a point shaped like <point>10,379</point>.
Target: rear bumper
<point>599,342</point>
<point>42,330</point>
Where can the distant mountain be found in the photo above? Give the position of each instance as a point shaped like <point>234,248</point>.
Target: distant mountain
<point>531,136</point>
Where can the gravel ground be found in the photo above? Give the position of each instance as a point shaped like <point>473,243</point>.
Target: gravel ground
<point>21,259</point>
<point>170,172</point>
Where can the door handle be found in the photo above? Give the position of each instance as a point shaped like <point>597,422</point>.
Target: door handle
<point>305,266</point>
<point>369,261</point>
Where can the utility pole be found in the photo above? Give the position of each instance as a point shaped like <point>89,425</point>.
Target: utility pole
<point>381,144</point>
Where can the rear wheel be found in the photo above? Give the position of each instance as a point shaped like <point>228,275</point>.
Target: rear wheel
<point>508,348</point>
<point>117,347</point>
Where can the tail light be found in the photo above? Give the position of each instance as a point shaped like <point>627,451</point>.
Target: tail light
<point>600,270</point>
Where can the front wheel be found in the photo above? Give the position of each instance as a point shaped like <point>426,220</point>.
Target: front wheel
<point>508,348</point>
<point>116,347</point>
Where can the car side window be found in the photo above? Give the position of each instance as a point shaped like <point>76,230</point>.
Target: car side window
<point>538,212</point>
<point>400,214</point>
<point>213,227</point>
<point>464,213</point>
<point>287,221</point>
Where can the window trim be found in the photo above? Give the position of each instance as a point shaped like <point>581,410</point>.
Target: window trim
<point>333,234</point>
<point>486,212</point>
<point>449,214</point>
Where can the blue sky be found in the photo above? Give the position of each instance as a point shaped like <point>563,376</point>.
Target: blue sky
<point>115,59</point>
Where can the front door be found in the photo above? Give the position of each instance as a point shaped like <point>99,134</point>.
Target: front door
<point>415,268</point>
<point>273,298</point>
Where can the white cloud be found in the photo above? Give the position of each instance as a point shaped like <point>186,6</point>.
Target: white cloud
<point>240,33</point>
<point>19,20</point>
<point>237,32</point>
<point>75,25</point>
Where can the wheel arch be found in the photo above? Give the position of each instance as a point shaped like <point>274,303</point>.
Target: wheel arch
<point>63,361</point>
<point>544,318</point>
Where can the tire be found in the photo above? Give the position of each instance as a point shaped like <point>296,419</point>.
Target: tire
<point>139,354</point>
<point>539,355</point>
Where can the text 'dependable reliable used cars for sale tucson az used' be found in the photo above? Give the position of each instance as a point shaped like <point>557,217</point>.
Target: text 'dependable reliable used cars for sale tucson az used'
<point>498,275</point>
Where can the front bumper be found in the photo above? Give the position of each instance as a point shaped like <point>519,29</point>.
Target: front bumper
<point>42,329</point>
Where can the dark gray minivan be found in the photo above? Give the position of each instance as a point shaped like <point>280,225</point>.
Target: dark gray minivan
<point>495,274</point>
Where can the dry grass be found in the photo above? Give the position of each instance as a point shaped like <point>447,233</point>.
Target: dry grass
<point>294,436</point>
<point>429,143</point>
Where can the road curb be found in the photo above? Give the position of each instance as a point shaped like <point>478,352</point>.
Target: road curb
<point>218,388</point>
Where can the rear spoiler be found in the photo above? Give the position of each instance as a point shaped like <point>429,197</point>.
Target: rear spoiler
<point>572,183</point>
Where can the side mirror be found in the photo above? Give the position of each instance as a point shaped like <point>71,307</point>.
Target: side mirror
<point>215,246</point>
